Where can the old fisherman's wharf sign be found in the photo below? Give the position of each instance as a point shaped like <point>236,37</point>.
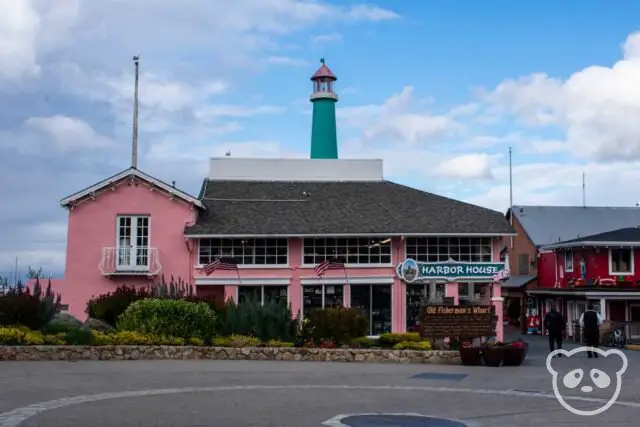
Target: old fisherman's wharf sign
<point>411,270</point>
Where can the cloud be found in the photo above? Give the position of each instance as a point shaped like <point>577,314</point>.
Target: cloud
<point>595,107</point>
<point>286,60</point>
<point>467,166</point>
<point>327,38</point>
<point>69,133</point>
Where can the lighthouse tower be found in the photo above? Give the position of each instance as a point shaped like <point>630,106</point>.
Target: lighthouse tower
<point>324,140</point>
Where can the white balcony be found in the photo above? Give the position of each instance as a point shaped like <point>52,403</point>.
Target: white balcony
<point>130,261</point>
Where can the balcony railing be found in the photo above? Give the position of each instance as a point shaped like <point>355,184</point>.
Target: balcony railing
<point>130,261</point>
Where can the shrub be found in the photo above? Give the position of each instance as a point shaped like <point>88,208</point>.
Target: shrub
<point>98,325</point>
<point>62,322</point>
<point>237,341</point>
<point>77,336</point>
<point>20,336</point>
<point>277,343</point>
<point>20,306</point>
<point>339,325</point>
<point>175,318</point>
<point>270,321</point>
<point>413,345</point>
<point>108,307</point>
<point>389,340</point>
<point>196,341</point>
<point>364,342</point>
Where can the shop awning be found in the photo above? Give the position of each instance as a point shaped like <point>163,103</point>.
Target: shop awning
<point>515,282</point>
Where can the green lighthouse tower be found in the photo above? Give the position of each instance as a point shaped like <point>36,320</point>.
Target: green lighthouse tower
<point>324,139</point>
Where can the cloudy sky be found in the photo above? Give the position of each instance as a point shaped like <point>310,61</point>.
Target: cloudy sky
<point>438,89</point>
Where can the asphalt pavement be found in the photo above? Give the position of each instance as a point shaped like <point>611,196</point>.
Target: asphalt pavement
<point>301,394</point>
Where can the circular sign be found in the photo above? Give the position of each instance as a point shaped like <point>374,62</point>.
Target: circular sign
<point>409,270</point>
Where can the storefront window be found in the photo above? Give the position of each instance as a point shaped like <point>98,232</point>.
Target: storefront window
<point>245,251</point>
<point>263,294</point>
<point>442,249</point>
<point>321,296</point>
<point>353,250</point>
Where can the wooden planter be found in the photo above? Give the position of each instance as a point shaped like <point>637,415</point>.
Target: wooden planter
<point>493,355</point>
<point>470,356</point>
<point>514,356</point>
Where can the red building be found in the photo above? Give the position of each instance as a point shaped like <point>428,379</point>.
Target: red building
<point>539,276</point>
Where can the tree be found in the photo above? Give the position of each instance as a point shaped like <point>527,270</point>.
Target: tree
<point>34,274</point>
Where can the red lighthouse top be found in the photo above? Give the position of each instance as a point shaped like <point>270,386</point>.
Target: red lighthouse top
<point>323,72</point>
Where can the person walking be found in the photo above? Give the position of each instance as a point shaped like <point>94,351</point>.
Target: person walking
<point>590,322</point>
<point>555,326</point>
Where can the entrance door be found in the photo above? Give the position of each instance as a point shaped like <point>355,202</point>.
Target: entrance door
<point>634,318</point>
<point>133,243</point>
<point>375,301</point>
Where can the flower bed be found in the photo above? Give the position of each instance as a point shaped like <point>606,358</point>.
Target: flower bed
<point>495,354</point>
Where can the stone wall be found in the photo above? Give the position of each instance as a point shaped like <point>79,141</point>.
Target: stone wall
<point>137,352</point>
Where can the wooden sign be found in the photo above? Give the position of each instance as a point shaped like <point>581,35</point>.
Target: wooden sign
<point>439,321</point>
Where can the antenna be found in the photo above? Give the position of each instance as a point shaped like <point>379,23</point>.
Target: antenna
<point>134,149</point>
<point>584,190</point>
<point>510,195</point>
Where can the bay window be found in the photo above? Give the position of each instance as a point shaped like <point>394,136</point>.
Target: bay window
<point>442,249</point>
<point>355,250</point>
<point>621,261</point>
<point>245,251</point>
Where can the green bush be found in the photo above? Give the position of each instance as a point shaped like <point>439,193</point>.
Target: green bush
<point>364,342</point>
<point>175,318</point>
<point>108,307</point>
<point>20,306</point>
<point>413,345</point>
<point>77,336</point>
<point>339,324</point>
<point>389,340</point>
<point>98,325</point>
<point>277,343</point>
<point>271,321</point>
<point>62,322</point>
<point>236,341</point>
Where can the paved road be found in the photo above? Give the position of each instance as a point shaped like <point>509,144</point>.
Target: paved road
<point>298,394</point>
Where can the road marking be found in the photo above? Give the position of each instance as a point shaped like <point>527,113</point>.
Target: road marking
<point>337,420</point>
<point>17,416</point>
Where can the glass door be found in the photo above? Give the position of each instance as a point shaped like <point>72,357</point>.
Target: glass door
<point>375,302</point>
<point>132,251</point>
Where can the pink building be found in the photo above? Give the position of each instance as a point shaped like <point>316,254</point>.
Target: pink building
<point>277,219</point>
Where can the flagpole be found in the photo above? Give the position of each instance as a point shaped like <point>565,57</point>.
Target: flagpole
<point>510,195</point>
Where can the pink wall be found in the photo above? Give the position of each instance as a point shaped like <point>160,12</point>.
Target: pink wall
<point>92,226</point>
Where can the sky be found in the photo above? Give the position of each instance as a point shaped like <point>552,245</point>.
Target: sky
<point>438,89</point>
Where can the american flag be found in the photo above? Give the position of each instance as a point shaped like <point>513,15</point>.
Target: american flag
<point>330,264</point>
<point>220,264</point>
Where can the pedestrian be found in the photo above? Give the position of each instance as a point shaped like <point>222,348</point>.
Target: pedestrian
<point>590,322</point>
<point>555,326</point>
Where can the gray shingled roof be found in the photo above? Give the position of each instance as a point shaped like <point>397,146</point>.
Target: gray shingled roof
<point>326,208</point>
<point>547,225</point>
<point>620,236</point>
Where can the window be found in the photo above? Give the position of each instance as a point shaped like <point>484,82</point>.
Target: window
<point>264,294</point>
<point>523,264</point>
<point>417,296</point>
<point>620,261</point>
<point>568,262</point>
<point>442,249</point>
<point>245,251</point>
<point>464,290</point>
<point>321,296</point>
<point>132,242</point>
<point>354,250</point>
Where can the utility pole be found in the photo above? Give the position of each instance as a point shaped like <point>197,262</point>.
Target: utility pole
<point>134,150</point>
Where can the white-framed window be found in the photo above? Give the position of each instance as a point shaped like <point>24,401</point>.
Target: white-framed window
<point>245,251</point>
<point>441,249</point>
<point>355,250</point>
<point>621,261</point>
<point>133,242</point>
<point>264,294</point>
<point>568,261</point>
<point>321,296</point>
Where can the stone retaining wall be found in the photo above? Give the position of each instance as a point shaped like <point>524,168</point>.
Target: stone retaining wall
<point>140,352</point>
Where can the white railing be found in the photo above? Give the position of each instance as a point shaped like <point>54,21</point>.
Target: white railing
<point>130,261</point>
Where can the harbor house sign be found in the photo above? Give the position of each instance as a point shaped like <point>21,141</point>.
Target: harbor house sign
<point>411,270</point>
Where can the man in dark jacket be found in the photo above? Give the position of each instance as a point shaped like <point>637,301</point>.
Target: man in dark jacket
<point>590,322</point>
<point>555,326</point>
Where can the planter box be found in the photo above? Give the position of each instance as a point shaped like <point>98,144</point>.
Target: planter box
<point>493,355</point>
<point>470,356</point>
<point>514,356</point>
